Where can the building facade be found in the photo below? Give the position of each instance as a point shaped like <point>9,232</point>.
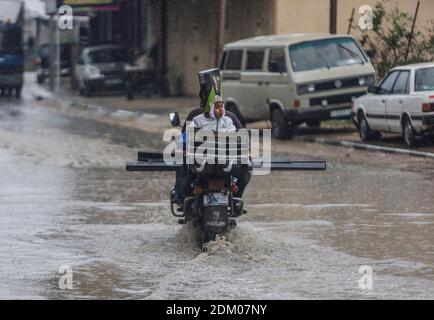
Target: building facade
<point>193,27</point>
<point>186,36</point>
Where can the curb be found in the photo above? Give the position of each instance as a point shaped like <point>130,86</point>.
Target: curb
<point>362,146</point>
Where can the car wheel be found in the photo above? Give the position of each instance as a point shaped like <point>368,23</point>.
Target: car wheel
<point>313,123</point>
<point>40,79</point>
<point>280,127</point>
<point>18,92</point>
<point>408,132</point>
<point>364,129</point>
<point>87,91</point>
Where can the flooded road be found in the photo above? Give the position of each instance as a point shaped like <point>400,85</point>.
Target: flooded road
<point>66,200</point>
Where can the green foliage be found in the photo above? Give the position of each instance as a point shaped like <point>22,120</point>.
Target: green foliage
<point>387,42</point>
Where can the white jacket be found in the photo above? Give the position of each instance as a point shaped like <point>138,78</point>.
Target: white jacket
<point>223,124</point>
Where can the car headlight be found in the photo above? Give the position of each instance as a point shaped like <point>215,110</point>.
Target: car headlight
<point>366,80</point>
<point>92,72</point>
<point>306,88</point>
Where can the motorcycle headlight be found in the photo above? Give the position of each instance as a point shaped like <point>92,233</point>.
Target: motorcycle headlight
<point>306,88</point>
<point>366,80</point>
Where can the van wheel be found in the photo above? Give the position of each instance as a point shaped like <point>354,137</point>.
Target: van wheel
<point>40,79</point>
<point>280,128</point>
<point>313,123</point>
<point>408,133</point>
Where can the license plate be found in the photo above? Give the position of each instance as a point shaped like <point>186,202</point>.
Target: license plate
<point>215,199</point>
<point>340,113</point>
<point>113,81</point>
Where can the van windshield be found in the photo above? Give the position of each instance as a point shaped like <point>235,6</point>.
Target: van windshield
<point>325,53</point>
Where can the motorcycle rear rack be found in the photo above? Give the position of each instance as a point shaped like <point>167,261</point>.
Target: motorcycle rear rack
<point>154,161</point>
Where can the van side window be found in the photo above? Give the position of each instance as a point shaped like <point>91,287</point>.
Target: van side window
<point>277,62</point>
<point>223,60</point>
<point>235,58</point>
<point>255,60</point>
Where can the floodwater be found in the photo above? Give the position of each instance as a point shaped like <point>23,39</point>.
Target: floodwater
<point>66,200</point>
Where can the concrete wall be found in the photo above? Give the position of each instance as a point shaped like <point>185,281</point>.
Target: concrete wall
<point>249,18</point>
<point>192,28</point>
<point>190,43</point>
<point>192,32</point>
<point>313,15</point>
<point>294,16</point>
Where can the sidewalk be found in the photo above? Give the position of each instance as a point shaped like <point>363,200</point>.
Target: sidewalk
<point>118,101</point>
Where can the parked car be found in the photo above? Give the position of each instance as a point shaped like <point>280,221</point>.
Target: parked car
<point>43,61</point>
<point>402,103</point>
<point>295,78</point>
<point>101,67</point>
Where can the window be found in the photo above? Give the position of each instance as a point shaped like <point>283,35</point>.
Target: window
<point>255,60</point>
<point>388,82</point>
<point>10,40</point>
<point>327,53</point>
<point>424,79</point>
<point>234,60</point>
<point>277,62</point>
<point>401,84</point>
<point>223,60</point>
<point>107,56</point>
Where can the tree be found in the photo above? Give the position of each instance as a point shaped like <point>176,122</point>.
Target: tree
<point>387,42</point>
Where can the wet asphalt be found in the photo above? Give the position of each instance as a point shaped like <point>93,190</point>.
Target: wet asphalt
<point>66,200</point>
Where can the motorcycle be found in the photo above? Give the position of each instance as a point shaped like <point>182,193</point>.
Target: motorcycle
<point>210,205</point>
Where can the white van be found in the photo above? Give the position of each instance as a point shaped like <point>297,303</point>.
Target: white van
<point>295,78</point>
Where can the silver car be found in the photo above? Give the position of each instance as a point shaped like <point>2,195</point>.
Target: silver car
<point>403,103</point>
<point>101,67</point>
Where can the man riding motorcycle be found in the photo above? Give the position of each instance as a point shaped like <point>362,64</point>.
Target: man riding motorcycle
<point>217,120</point>
<point>181,179</point>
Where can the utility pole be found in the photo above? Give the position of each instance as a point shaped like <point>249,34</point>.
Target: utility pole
<point>410,37</point>
<point>220,30</point>
<point>350,23</point>
<point>57,55</point>
<point>51,9</point>
<point>164,83</point>
<point>52,52</point>
<point>333,16</point>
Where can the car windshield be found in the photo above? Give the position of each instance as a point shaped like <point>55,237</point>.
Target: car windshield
<point>107,56</point>
<point>424,80</point>
<point>326,53</point>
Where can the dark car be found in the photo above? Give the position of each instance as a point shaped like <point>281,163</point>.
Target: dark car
<point>43,61</point>
<point>101,67</point>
